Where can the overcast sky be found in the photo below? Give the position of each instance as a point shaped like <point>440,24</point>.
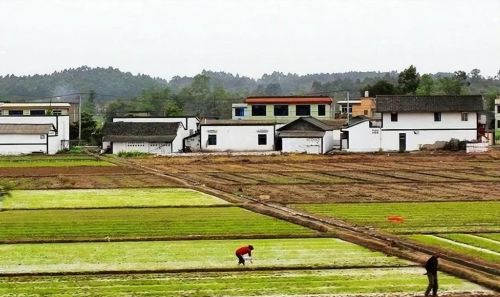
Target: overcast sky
<point>167,38</point>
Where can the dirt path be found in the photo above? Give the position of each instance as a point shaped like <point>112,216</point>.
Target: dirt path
<point>487,276</point>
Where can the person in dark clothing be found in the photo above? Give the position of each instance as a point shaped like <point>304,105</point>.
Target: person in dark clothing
<point>431,266</point>
<point>244,250</point>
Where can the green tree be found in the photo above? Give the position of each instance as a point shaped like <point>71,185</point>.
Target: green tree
<point>89,129</point>
<point>475,74</point>
<point>273,89</point>
<point>449,86</point>
<point>89,105</point>
<point>382,87</point>
<point>490,97</point>
<point>408,80</point>
<point>426,86</point>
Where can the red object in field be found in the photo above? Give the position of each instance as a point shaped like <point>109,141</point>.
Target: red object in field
<point>395,219</point>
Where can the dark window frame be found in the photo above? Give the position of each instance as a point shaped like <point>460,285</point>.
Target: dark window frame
<point>464,117</point>
<point>394,116</point>
<point>262,139</point>
<point>212,139</point>
<point>281,110</point>
<point>37,112</point>
<point>437,117</point>
<point>302,112</point>
<point>321,110</point>
<point>16,112</point>
<point>239,111</point>
<point>260,108</point>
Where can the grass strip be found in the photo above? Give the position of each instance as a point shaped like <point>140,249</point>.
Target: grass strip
<point>474,240</point>
<point>457,247</point>
<point>353,281</point>
<point>88,224</point>
<point>95,198</point>
<point>172,255</point>
<point>418,217</point>
<point>492,236</point>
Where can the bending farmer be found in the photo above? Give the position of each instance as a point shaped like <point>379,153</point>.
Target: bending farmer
<point>432,267</point>
<point>244,250</point>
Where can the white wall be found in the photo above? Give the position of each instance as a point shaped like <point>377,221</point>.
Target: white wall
<point>301,145</point>
<point>143,147</point>
<point>237,137</point>
<point>12,144</point>
<point>56,142</point>
<point>419,128</point>
<point>415,139</point>
<point>421,120</point>
<point>362,138</point>
<point>327,141</point>
<point>336,138</point>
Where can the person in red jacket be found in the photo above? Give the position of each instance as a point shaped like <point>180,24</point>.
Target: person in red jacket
<point>244,250</point>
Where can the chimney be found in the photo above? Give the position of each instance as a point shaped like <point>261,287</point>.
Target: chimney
<point>367,94</point>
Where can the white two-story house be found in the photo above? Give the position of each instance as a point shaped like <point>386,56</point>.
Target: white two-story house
<point>409,122</point>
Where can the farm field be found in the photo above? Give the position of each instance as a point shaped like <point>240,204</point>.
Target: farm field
<point>105,198</point>
<point>390,282</point>
<point>133,223</point>
<point>418,217</point>
<point>191,254</point>
<point>487,250</point>
<point>145,237</point>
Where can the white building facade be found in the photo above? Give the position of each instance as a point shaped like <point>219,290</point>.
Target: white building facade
<point>20,134</point>
<point>408,123</point>
<point>237,136</point>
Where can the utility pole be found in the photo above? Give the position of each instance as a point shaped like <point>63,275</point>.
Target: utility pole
<point>79,119</point>
<point>348,115</point>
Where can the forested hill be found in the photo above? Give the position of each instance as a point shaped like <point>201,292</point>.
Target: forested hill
<point>111,83</point>
<point>105,81</point>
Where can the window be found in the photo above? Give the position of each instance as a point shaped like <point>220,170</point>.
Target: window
<point>262,139</point>
<point>212,139</point>
<point>239,112</point>
<point>365,112</point>
<point>15,112</point>
<point>321,110</point>
<point>281,110</point>
<point>258,110</point>
<point>56,112</point>
<point>344,109</point>
<point>303,110</point>
<point>498,124</point>
<point>437,117</point>
<point>498,108</point>
<point>37,112</point>
<point>394,117</point>
<point>465,116</point>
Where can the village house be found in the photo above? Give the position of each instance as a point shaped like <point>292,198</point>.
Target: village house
<point>364,106</point>
<point>283,108</point>
<point>41,108</point>
<point>154,135</point>
<point>237,135</point>
<point>27,128</point>
<point>310,135</point>
<point>409,123</point>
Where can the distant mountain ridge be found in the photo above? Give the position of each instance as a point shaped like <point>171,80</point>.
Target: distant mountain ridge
<point>111,83</point>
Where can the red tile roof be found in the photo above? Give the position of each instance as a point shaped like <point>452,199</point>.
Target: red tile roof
<point>289,100</point>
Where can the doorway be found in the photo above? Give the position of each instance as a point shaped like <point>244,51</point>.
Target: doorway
<point>402,142</point>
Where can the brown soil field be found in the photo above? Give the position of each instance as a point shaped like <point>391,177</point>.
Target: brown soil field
<point>343,177</point>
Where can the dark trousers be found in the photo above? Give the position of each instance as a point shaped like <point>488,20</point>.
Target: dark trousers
<point>240,259</point>
<point>433,284</point>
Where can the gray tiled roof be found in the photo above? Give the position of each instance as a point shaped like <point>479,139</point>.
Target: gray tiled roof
<point>140,131</point>
<point>438,103</point>
<point>25,128</point>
